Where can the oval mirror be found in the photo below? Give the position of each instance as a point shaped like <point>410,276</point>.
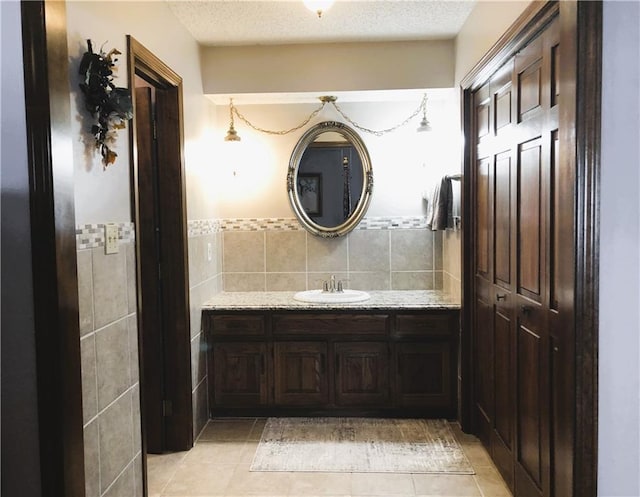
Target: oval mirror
<point>330,179</point>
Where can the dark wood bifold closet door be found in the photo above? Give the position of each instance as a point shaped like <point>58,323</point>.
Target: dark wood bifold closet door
<point>516,134</point>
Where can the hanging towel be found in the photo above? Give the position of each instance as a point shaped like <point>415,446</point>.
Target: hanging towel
<point>440,208</point>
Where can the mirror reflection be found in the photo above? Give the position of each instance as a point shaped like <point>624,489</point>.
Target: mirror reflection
<point>331,171</point>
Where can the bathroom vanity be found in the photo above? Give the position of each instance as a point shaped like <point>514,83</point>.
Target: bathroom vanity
<point>393,355</point>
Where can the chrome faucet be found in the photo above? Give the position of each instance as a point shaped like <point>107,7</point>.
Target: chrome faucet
<point>332,286</point>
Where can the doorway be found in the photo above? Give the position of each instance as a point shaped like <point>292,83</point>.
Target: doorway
<point>158,198</point>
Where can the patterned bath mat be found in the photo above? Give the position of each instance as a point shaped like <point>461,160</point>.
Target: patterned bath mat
<point>360,445</point>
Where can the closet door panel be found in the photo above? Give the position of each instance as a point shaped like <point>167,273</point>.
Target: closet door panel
<point>529,208</point>
<point>502,219</point>
<point>503,384</point>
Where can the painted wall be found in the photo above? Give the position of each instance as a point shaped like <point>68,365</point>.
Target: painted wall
<point>328,67</point>
<point>405,163</point>
<point>20,444</point>
<point>619,348</point>
<point>484,26</point>
<point>103,195</point>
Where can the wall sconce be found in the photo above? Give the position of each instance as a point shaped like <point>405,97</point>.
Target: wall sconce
<point>424,124</point>
<point>232,134</point>
<point>318,6</point>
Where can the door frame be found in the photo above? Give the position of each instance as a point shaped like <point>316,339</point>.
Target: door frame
<point>177,344</point>
<point>53,248</point>
<point>585,20</point>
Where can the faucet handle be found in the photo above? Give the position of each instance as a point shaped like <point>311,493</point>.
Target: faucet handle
<point>325,286</point>
<point>340,286</point>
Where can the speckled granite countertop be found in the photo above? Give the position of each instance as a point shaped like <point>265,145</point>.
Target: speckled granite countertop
<point>380,300</point>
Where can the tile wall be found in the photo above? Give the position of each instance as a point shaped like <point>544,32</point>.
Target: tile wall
<point>452,269</point>
<point>205,280</point>
<point>109,354</point>
<point>390,255</point>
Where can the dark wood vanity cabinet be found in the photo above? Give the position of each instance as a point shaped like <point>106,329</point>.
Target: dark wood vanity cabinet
<point>300,374</point>
<point>301,362</point>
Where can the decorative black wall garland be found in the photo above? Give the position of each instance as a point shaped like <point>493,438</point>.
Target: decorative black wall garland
<point>110,105</point>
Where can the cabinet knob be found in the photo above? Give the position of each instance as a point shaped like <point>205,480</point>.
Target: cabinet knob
<point>501,296</point>
<point>525,309</point>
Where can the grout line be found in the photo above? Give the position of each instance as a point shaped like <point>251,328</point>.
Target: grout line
<point>199,383</point>
<point>102,411</point>
<point>102,328</point>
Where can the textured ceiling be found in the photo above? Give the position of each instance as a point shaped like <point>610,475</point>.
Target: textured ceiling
<point>247,22</point>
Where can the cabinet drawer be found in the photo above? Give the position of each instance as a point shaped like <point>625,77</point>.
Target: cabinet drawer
<point>438,324</point>
<point>325,324</point>
<point>230,324</point>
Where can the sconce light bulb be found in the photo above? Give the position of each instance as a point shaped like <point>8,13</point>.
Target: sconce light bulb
<point>318,6</point>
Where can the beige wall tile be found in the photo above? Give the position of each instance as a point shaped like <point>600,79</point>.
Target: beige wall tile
<point>113,362</point>
<point>326,254</point>
<point>130,267</point>
<point>286,282</point>
<point>116,444</point>
<point>196,260</point>
<point>438,283</point>
<point>411,250</point>
<point>244,282</point>
<point>132,326</point>
<point>136,419</point>
<point>138,475</point>
<point>452,250</point>
<point>198,359</point>
<point>124,486</point>
<point>85,291</point>
<point>412,280</point>
<point>200,404</point>
<point>89,378</point>
<point>370,281</point>
<point>438,250</point>
<point>91,460</point>
<point>195,309</point>
<point>109,287</point>
<point>286,251</point>
<point>315,280</point>
<point>244,251</point>
<point>369,250</point>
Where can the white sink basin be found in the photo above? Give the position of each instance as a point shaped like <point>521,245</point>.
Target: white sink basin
<point>320,297</point>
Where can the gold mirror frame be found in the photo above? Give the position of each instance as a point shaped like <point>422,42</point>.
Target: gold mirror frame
<point>367,184</point>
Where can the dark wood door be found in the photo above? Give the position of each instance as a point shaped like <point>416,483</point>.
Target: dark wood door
<point>361,373</point>
<point>150,321</point>
<point>161,256</point>
<point>300,370</point>
<point>239,374</point>
<point>423,375</point>
<point>516,114</point>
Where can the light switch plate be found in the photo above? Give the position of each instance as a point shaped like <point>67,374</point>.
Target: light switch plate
<point>111,238</point>
<point>209,252</point>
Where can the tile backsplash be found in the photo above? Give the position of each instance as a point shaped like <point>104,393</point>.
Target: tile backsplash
<point>381,254</point>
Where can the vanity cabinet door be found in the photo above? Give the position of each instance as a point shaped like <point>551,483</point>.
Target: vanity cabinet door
<point>361,373</point>
<point>301,374</point>
<point>424,376</point>
<point>239,374</point>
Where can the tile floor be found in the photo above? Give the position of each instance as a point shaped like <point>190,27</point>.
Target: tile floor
<point>218,465</point>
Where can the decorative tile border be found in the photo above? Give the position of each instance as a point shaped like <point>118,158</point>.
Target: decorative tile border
<point>393,223</point>
<point>92,235</point>
<point>200,227</point>
<point>292,224</point>
<point>261,224</point>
